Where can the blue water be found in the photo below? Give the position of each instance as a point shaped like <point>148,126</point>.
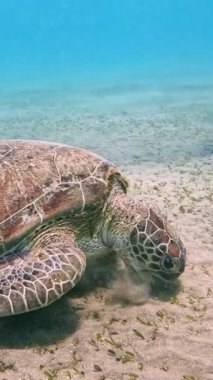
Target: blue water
<point>113,76</point>
<point>73,42</point>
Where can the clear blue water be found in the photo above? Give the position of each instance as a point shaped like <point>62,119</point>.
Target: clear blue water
<point>58,42</point>
<point>114,76</point>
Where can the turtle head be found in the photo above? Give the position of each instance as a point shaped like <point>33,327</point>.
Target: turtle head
<point>153,246</point>
<point>141,235</point>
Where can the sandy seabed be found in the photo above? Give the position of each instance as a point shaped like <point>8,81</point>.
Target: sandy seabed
<point>165,151</point>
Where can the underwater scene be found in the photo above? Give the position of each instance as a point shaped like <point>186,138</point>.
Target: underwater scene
<point>131,81</point>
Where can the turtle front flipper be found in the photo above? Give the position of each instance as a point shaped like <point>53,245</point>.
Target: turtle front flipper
<point>34,277</point>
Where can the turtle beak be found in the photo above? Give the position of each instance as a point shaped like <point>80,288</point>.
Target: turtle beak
<point>182,262</point>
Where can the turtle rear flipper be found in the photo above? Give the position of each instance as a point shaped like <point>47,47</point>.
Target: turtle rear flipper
<point>37,278</point>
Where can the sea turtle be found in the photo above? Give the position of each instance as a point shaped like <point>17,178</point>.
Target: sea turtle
<point>53,196</point>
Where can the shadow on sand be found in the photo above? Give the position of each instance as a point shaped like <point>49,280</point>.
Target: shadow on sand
<point>40,327</point>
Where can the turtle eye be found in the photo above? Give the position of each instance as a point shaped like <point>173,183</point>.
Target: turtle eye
<point>167,262</point>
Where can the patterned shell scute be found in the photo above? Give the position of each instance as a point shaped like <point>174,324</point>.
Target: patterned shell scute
<point>40,180</point>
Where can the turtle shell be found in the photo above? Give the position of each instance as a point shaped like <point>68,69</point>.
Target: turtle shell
<point>40,180</point>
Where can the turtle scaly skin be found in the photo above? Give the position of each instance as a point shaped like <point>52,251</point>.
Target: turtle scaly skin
<point>54,196</point>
